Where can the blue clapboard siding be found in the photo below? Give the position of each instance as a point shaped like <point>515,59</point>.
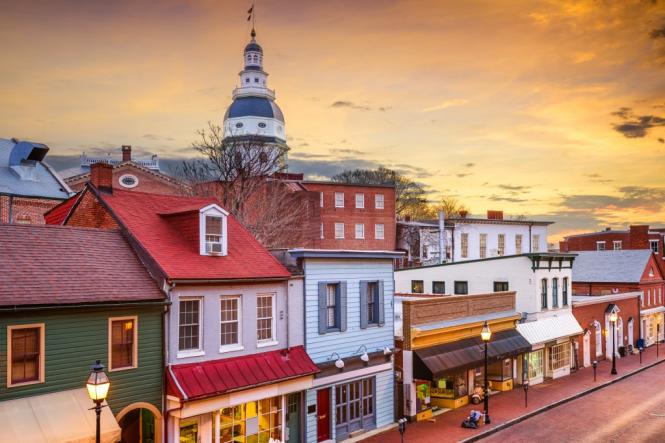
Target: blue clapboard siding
<point>352,271</point>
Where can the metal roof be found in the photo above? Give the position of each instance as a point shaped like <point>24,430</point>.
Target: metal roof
<point>550,328</point>
<point>625,266</point>
<point>254,107</point>
<point>464,320</point>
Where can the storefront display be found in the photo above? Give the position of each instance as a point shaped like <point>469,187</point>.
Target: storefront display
<point>253,422</point>
<point>535,366</point>
<point>450,391</point>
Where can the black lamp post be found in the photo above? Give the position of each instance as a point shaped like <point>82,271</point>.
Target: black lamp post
<point>595,365</point>
<point>402,427</point>
<point>641,349</point>
<point>525,385</point>
<point>485,335</point>
<point>613,320</point>
<point>657,337</point>
<point>98,387</point>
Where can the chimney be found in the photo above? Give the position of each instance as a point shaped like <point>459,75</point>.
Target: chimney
<point>463,213</point>
<point>101,176</point>
<point>639,237</point>
<point>126,153</point>
<point>494,215</point>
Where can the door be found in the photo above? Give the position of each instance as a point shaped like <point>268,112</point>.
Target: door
<point>587,349</point>
<point>631,333</point>
<point>323,415</point>
<point>619,335</point>
<point>293,418</point>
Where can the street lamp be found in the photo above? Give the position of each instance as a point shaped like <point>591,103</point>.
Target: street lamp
<point>613,320</point>
<point>402,427</point>
<point>98,387</point>
<point>485,335</point>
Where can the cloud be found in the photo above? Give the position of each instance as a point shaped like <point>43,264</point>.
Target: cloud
<point>350,151</point>
<point>469,165</point>
<point>581,57</point>
<point>661,140</point>
<point>635,126</point>
<point>500,198</point>
<point>642,198</point>
<point>463,174</point>
<point>447,104</point>
<point>156,137</point>
<point>658,32</point>
<point>352,105</point>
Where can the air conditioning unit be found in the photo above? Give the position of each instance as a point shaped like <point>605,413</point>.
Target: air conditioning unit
<point>213,247</point>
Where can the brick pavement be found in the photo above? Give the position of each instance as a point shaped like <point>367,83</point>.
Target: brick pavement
<point>507,406</point>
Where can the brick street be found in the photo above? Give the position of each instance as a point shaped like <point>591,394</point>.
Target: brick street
<point>510,405</point>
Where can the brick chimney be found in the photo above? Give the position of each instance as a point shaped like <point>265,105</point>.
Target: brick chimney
<point>101,176</point>
<point>463,213</point>
<point>126,153</point>
<point>494,215</point>
<point>639,237</point>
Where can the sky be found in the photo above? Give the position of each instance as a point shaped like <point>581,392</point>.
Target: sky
<point>550,109</point>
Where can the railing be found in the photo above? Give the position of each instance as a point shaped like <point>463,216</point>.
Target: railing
<point>153,163</point>
<point>242,91</point>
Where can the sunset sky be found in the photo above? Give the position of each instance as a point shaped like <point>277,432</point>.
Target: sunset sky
<point>550,109</point>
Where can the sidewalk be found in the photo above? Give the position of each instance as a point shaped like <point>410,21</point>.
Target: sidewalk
<point>508,406</point>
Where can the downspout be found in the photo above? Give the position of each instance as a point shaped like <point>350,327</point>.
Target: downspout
<point>10,209</point>
<point>530,236</point>
<point>288,335</point>
<point>165,359</point>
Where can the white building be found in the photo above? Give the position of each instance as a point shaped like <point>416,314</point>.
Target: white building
<point>472,238</point>
<point>542,282</point>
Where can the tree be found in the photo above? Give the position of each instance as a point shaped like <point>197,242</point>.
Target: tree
<point>240,172</point>
<point>451,207</point>
<point>410,196</point>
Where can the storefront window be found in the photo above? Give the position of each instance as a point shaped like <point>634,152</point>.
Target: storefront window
<point>253,422</point>
<point>536,364</point>
<point>453,386</point>
<point>189,431</point>
<point>559,356</point>
<point>500,370</point>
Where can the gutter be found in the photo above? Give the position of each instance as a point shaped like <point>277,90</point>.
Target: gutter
<point>18,308</point>
<point>229,280</point>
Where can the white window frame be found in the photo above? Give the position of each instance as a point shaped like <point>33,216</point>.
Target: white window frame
<point>42,354</point>
<point>360,198</point>
<point>379,234</point>
<point>501,244</point>
<point>654,242</point>
<point>135,347</point>
<point>482,245</point>
<point>598,338</point>
<point>322,231</point>
<point>599,244</point>
<point>321,198</point>
<point>212,211</point>
<point>235,346</point>
<point>273,338</point>
<point>464,244</point>
<point>338,196</point>
<point>616,245</point>
<point>379,201</point>
<point>337,225</point>
<point>194,352</point>
<point>518,242</point>
<point>535,243</point>
<point>360,235</point>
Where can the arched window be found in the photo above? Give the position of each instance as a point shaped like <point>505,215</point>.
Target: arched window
<point>599,338</point>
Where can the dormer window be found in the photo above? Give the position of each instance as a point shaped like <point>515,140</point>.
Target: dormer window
<point>213,231</point>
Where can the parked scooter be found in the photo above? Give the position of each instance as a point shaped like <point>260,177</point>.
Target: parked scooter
<point>478,395</point>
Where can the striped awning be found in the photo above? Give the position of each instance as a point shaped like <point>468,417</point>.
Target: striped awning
<point>550,328</point>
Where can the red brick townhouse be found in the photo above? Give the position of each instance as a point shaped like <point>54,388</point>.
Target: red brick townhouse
<point>235,370</point>
<point>606,273</point>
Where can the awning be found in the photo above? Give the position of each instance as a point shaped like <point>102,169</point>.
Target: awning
<point>550,328</point>
<point>63,417</point>
<point>466,354</point>
<point>192,381</point>
<point>652,310</point>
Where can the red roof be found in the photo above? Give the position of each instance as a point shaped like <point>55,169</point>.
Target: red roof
<point>206,379</point>
<point>58,214</point>
<point>43,264</point>
<point>177,251</point>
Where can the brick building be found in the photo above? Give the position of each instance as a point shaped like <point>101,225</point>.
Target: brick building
<point>29,187</point>
<point>592,313</point>
<point>128,173</point>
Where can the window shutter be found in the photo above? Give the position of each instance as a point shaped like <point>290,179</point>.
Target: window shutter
<point>323,314</point>
<point>342,306</point>
<point>382,311</point>
<point>363,304</point>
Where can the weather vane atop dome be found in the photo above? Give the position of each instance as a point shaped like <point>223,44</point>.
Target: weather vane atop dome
<point>251,16</point>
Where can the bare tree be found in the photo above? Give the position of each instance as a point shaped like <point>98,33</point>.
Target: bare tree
<point>451,207</point>
<point>243,174</point>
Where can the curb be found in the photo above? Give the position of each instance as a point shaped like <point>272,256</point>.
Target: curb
<point>555,404</point>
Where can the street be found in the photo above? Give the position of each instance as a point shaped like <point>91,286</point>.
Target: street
<point>632,410</point>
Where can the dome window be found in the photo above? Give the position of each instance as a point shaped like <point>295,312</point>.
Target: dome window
<point>128,181</point>
<point>239,125</point>
<point>262,125</point>
<point>247,80</point>
<point>256,79</point>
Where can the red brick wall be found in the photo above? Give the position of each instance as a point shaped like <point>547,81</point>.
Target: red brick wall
<point>147,182</point>
<point>25,210</point>
<point>587,314</point>
<point>637,238</point>
<point>350,215</point>
<point>90,213</point>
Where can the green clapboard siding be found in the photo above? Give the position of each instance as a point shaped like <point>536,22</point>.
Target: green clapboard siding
<point>75,338</point>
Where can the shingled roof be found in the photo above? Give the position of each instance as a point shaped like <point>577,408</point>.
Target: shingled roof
<point>45,265</point>
<point>625,266</point>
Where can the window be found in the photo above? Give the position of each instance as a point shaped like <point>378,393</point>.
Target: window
<point>599,338</point>
<point>653,244</point>
<point>354,406</point>
<point>321,199</point>
<point>600,245</point>
<point>461,288</point>
<point>535,243</point>
<point>339,199</point>
<point>256,79</point>
<point>518,244</point>
<point>555,292</point>
<point>189,328</point>
<point>339,230</point>
<point>535,364</point>
<point>543,293</point>
<point>321,230</point>
<point>372,307</point>
<point>129,181</point>
<point>438,287</point>
<point>360,231</point>
<point>500,286</point>
<point>26,354</point>
<point>360,201</point>
<point>501,244</point>
<point>123,342</point>
<point>229,322</point>
<point>265,323</point>
<point>214,234</point>
<point>379,201</point>
<point>379,233</point>
<point>239,124</point>
<point>616,244</point>
<point>417,286</point>
<point>559,356</point>
<point>262,125</point>
<point>332,307</point>
<point>254,421</point>
<point>564,289</point>
<point>212,229</point>
<point>465,245</point>
<point>483,245</point>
